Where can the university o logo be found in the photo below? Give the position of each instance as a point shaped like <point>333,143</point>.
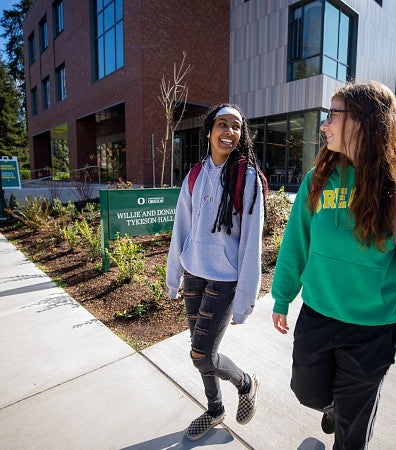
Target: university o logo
<point>141,201</point>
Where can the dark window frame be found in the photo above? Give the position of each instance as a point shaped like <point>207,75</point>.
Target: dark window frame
<point>107,29</point>
<point>46,92</point>
<point>43,33</point>
<point>60,82</point>
<point>58,17</point>
<point>296,43</point>
<point>31,42</point>
<point>263,150</point>
<point>34,101</point>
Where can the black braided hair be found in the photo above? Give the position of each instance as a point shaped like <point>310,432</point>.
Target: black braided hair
<point>230,169</point>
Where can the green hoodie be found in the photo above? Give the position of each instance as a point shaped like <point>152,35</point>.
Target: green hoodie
<point>339,277</point>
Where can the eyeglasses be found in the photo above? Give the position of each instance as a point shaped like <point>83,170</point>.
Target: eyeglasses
<point>332,111</point>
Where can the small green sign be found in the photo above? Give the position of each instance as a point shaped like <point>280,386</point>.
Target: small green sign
<point>135,212</point>
<point>10,173</point>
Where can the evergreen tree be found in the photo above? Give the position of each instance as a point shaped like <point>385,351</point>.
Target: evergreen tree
<point>13,138</point>
<point>13,135</point>
<point>11,21</point>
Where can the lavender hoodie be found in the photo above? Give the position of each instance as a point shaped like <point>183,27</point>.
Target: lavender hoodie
<point>217,256</point>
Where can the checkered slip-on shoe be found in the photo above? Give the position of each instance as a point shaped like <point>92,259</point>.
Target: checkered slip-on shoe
<point>247,402</point>
<point>199,427</point>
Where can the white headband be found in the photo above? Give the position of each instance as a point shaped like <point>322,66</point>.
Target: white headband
<point>229,110</point>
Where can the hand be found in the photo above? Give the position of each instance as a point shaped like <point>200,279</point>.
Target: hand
<point>280,322</point>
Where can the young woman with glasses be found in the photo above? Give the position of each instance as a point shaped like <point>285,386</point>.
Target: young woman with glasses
<point>339,247</point>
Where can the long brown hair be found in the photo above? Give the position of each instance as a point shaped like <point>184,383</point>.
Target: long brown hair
<point>373,106</point>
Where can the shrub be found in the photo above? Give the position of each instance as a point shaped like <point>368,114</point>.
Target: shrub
<point>158,287</point>
<point>64,213</point>
<point>128,257</point>
<point>90,211</point>
<point>24,174</point>
<point>35,213</point>
<point>120,184</point>
<point>91,237</point>
<point>70,234</point>
<point>278,210</point>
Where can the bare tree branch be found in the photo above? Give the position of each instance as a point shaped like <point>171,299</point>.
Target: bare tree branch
<point>174,94</point>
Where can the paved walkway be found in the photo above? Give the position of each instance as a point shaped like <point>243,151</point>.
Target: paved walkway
<point>68,382</point>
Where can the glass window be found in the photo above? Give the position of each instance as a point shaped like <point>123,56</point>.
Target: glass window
<point>99,23</point>
<point>60,80</point>
<point>336,43</point>
<point>119,49</point>
<point>276,150</point>
<point>303,145</point>
<point>330,43</point>
<point>286,146</point>
<point>108,17</point>
<point>330,67</point>
<point>46,93</point>
<point>111,159</point>
<point>257,135</point>
<point>58,19</point>
<point>99,5</point>
<point>109,43</point>
<point>43,33</point>
<point>100,56</point>
<point>306,30</point>
<point>109,37</point>
<point>295,150</point>
<point>34,101</point>
<point>316,49</point>
<point>118,10</point>
<point>342,72</point>
<point>344,38</point>
<point>31,48</point>
<point>306,68</point>
<point>312,29</point>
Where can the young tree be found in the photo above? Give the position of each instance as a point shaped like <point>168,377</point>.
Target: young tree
<point>13,138</point>
<point>174,94</point>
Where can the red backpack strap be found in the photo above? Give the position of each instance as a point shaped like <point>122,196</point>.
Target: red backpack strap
<point>193,175</point>
<point>242,166</point>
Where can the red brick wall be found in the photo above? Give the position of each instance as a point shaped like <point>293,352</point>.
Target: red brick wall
<point>155,35</point>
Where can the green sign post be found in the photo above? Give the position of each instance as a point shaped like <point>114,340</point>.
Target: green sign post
<point>135,212</point>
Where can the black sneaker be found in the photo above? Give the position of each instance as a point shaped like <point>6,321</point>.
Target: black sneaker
<point>200,426</point>
<point>328,423</point>
<point>247,402</point>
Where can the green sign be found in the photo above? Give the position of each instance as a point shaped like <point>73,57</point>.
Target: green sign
<point>135,212</point>
<point>10,173</point>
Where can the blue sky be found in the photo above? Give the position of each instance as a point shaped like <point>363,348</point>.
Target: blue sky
<point>5,4</point>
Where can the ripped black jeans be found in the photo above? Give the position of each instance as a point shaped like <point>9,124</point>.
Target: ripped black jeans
<point>209,311</point>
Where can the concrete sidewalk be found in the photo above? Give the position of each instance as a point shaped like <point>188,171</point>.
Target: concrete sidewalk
<point>68,382</point>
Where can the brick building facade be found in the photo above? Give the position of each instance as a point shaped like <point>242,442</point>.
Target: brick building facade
<point>93,73</point>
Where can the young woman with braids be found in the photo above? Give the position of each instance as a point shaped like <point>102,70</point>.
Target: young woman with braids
<point>339,246</point>
<point>216,252</point>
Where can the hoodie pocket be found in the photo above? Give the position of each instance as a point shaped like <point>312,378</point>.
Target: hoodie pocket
<point>210,260</point>
<point>346,289</point>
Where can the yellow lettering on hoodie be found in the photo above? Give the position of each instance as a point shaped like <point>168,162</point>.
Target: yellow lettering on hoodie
<point>351,197</point>
<point>342,198</point>
<point>329,198</point>
<point>332,197</point>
